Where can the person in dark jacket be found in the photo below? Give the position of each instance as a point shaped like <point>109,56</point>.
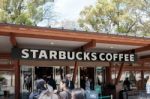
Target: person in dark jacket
<point>70,83</point>
<point>51,81</point>
<point>40,87</point>
<point>82,82</point>
<point>126,84</point>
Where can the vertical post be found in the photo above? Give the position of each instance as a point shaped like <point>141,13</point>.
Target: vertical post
<point>17,79</point>
<point>119,73</point>
<point>75,71</point>
<point>108,75</point>
<point>142,79</point>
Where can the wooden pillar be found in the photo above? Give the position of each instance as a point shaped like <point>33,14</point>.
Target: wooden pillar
<point>108,75</point>
<point>142,79</point>
<point>75,71</point>
<point>17,79</point>
<point>119,73</point>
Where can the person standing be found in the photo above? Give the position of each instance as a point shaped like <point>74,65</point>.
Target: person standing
<point>51,81</point>
<point>48,94</point>
<point>40,87</point>
<point>127,84</point>
<point>29,83</point>
<point>70,83</point>
<point>91,84</point>
<point>82,82</point>
<point>65,93</point>
<point>87,83</point>
<point>25,82</point>
<point>148,86</point>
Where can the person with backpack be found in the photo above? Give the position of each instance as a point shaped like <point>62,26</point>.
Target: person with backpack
<point>40,87</point>
<point>51,81</point>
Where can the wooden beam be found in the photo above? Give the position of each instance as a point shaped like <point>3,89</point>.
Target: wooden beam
<point>144,57</point>
<point>141,49</point>
<point>137,50</point>
<point>89,45</point>
<point>119,73</point>
<point>5,55</point>
<point>10,70</point>
<point>108,74</point>
<point>46,33</point>
<point>132,68</point>
<point>144,60</point>
<point>6,66</point>
<point>13,40</point>
<point>75,71</point>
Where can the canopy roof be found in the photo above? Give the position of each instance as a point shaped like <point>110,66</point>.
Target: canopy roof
<point>60,39</point>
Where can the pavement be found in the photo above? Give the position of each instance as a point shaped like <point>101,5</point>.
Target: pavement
<point>23,96</point>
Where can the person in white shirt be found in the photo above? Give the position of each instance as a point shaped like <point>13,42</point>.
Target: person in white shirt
<point>148,86</point>
<point>87,83</point>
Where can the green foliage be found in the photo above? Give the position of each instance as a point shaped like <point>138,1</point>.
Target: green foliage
<point>25,12</point>
<point>123,16</point>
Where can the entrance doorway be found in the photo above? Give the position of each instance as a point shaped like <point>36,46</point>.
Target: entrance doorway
<point>56,72</point>
<point>87,72</point>
<point>42,71</point>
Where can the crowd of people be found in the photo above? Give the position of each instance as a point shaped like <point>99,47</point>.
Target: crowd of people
<point>46,89</point>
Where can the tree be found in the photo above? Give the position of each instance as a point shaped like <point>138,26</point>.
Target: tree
<point>25,12</point>
<point>121,16</point>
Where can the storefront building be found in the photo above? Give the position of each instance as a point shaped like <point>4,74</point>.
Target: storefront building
<point>30,51</point>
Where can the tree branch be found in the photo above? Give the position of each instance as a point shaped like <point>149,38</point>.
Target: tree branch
<point>131,27</point>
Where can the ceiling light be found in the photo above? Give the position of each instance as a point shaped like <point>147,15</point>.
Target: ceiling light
<point>111,47</point>
<point>52,43</point>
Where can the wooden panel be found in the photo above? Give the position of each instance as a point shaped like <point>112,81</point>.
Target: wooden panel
<point>132,68</point>
<point>5,56</point>
<point>6,66</point>
<point>143,60</point>
<point>10,70</point>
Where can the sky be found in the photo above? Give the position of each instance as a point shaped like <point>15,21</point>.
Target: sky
<point>68,9</point>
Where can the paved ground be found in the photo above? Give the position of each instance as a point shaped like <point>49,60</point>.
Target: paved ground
<point>23,96</point>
